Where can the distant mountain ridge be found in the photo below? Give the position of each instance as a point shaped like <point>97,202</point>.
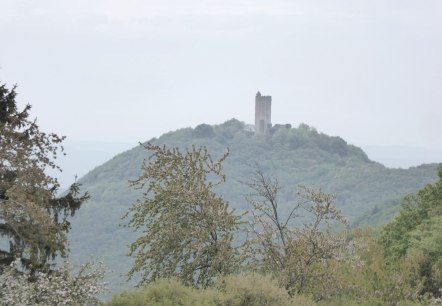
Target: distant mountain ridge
<point>295,156</point>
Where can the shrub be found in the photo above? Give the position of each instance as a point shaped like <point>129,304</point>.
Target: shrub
<point>239,290</point>
<point>165,292</point>
<point>257,290</point>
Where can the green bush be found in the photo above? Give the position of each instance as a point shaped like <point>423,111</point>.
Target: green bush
<point>164,293</point>
<point>257,290</point>
<point>368,301</point>
<point>240,290</point>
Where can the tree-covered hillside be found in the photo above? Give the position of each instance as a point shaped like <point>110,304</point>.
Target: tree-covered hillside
<point>295,156</point>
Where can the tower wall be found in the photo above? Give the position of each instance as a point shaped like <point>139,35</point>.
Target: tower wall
<point>263,114</point>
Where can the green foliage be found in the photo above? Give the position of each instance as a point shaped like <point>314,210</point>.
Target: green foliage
<point>378,215</point>
<point>33,220</point>
<point>300,257</point>
<point>203,131</point>
<point>165,292</point>
<point>417,233</point>
<point>187,228</point>
<point>257,290</point>
<point>294,155</point>
<point>334,270</point>
<point>240,290</point>
<point>366,301</point>
<point>375,279</point>
<point>350,276</point>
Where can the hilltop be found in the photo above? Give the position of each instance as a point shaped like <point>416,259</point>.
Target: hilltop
<point>295,156</point>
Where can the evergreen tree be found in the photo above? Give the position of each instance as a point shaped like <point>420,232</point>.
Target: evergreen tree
<point>33,219</point>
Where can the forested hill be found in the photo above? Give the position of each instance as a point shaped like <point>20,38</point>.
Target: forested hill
<point>295,156</point>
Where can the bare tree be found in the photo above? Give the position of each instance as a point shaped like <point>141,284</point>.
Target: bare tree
<point>298,255</point>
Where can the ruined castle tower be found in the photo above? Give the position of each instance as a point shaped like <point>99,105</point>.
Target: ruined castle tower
<point>263,114</point>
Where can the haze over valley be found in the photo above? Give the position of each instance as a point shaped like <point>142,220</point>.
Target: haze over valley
<point>221,153</point>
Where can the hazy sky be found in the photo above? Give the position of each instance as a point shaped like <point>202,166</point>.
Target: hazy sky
<point>126,71</point>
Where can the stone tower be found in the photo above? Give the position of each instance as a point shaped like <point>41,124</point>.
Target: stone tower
<point>263,114</point>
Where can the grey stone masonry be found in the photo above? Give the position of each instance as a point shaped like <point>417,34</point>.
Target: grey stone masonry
<point>263,114</point>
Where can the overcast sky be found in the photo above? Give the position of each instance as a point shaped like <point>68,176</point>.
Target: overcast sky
<point>369,71</point>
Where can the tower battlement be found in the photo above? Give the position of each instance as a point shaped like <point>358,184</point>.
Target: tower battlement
<point>263,114</point>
